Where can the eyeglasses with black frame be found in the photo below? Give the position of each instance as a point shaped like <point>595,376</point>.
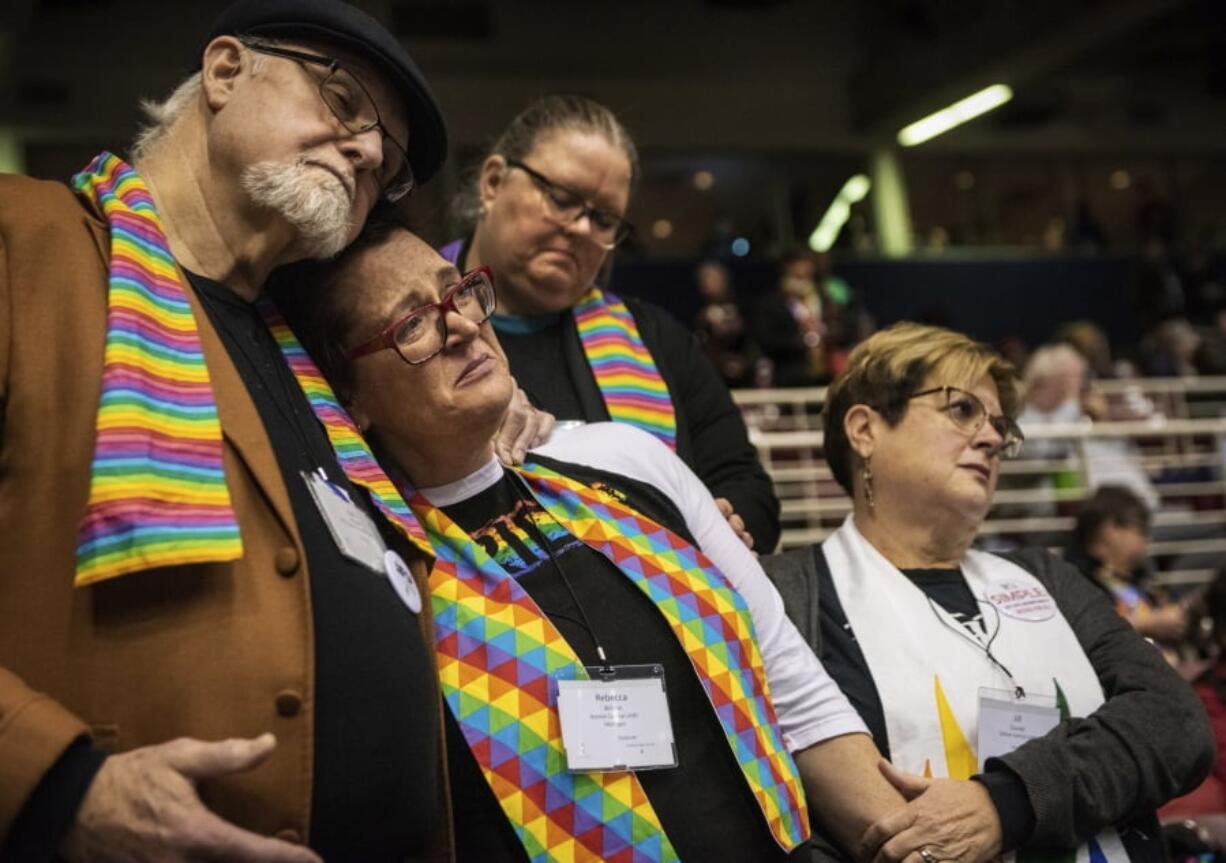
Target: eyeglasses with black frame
<point>421,334</point>
<point>566,206</point>
<point>349,100</point>
<point>969,414</point>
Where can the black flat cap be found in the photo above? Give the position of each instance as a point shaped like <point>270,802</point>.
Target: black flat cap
<point>339,23</point>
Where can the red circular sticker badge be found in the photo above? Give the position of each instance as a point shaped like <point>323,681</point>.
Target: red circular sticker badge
<point>1022,600</point>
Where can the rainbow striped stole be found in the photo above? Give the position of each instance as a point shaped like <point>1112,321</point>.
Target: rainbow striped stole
<point>157,490</point>
<point>497,653</point>
<point>352,451</point>
<point>625,372</point>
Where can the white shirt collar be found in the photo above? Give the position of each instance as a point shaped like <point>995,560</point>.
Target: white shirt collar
<point>465,487</point>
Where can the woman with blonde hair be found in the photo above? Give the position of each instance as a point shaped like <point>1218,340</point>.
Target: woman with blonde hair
<point>1014,706</point>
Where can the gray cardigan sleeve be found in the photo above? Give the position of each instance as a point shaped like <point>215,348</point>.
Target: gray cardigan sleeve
<point>1150,741</point>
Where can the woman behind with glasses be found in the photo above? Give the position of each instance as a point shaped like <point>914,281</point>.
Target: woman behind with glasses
<point>547,208</point>
<point>956,657</point>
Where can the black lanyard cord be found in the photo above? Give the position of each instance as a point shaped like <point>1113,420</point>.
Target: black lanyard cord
<point>525,494</point>
<point>1018,691</point>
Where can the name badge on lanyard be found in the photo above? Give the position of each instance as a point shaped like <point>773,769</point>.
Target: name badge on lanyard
<point>617,720</point>
<point>354,533</point>
<point>1006,721</point>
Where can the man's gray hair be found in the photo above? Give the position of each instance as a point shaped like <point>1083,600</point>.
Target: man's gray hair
<point>160,116</point>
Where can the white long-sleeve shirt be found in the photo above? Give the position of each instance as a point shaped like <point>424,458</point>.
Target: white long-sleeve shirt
<point>810,706</point>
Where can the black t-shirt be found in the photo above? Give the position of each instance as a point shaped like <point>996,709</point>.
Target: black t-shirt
<point>536,350</point>
<point>376,782</point>
<point>704,804</point>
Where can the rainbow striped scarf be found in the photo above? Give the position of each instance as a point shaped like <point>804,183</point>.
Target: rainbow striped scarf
<point>625,372</point>
<point>498,654</point>
<point>352,451</point>
<point>157,494</point>
<point>157,491</point>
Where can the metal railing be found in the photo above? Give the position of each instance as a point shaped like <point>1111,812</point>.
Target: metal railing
<point>1178,452</point>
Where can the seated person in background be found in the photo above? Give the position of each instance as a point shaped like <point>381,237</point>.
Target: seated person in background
<point>545,213</point>
<point>809,323</point>
<point>940,647</point>
<point>602,549</point>
<point>1056,392</point>
<point>1110,545</point>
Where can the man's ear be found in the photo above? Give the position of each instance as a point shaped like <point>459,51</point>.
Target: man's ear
<point>493,174</point>
<point>224,61</point>
<point>862,424</point>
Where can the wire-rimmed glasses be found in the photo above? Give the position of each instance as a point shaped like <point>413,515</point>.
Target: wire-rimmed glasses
<point>349,100</point>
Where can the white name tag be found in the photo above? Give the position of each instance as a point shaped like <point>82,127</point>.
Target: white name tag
<point>354,533</point>
<point>618,720</point>
<point>1006,721</point>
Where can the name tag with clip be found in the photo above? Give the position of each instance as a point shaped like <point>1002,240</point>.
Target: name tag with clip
<point>617,720</point>
<point>1006,721</point>
<point>354,533</point>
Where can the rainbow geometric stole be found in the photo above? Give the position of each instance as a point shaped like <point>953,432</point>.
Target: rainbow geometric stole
<point>157,490</point>
<point>498,653</point>
<point>625,372</point>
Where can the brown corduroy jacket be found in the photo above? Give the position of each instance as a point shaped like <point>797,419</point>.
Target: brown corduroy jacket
<point>206,651</point>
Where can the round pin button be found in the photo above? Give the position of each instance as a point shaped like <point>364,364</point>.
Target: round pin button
<point>402,581</point>
<point>1021,601</point>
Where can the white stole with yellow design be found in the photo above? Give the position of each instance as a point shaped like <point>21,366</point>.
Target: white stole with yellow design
<point>928,669</point>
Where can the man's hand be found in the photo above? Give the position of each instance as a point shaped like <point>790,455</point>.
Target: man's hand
<point>143,805</point>
<point>522,428</point>
<point>951,819</point>
<point>734,521</point>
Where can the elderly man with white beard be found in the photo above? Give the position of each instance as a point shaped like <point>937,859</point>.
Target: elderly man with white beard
<point>212,643</point>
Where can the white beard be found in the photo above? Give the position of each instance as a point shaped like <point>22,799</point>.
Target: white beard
<point>313,201</point>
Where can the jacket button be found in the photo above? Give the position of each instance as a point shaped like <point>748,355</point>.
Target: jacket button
<point>289,835</point>
<point>288,702</point>
<point>286,560</point>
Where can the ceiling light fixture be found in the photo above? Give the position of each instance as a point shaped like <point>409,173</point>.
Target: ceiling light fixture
<point>827,230</point>
<point>956,114</point>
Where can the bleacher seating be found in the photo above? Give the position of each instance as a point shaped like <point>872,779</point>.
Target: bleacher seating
<point>1180,447</point>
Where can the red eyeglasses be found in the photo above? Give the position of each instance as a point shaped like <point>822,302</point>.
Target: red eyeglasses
<point>422,333</point>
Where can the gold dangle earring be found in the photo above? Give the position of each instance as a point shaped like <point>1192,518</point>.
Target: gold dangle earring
<point>866,477</point>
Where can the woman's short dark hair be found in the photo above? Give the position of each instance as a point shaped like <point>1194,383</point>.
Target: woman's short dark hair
<point>559,112</point>
<point>890,366</point>
<point>311,298</point>
<point>1110,504</point>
